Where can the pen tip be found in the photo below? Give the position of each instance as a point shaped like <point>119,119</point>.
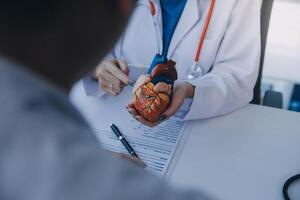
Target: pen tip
<point>131,83</point>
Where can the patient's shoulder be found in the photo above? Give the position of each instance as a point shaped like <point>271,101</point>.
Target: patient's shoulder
<point>27,100</point>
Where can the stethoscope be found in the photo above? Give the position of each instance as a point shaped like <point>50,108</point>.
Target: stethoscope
<point>195,70</point>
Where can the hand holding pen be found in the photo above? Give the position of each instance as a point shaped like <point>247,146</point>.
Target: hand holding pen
<point>113,76</point>
<point>133,157</point>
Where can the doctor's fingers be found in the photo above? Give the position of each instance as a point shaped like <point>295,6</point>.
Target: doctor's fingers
<point>102,71</point>
<point>111,87</point>
<point>118,73</point>
<point>132,111</point>
<point>140,118</point>
<point>123,66</point>
<point>108,77</point>
<point>177,101</point>
<point>109,91</point>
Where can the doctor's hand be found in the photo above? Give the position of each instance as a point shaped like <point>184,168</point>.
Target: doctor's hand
<point>112,76</point>
<point>182,91</point>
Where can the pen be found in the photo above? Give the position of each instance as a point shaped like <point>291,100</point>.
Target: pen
<point>131,84</point>
<point>121,138</point>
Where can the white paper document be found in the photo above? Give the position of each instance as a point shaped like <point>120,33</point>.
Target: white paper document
<point>155,146</point>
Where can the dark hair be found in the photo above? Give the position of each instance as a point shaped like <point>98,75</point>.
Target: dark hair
<point>58,37</point>
<point>27,14</point>
<point>33,14</point>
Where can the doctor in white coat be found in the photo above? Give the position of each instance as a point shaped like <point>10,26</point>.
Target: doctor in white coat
<point>228,60</point>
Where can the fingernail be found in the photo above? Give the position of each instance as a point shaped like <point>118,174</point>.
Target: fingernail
<point>162,118</point>
<point>131,84</point>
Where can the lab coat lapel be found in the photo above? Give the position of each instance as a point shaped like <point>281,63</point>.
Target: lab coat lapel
<point>157,18</point>
<point>189,18</point>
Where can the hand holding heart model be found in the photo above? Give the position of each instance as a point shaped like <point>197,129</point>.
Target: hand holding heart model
<point>153,93</point>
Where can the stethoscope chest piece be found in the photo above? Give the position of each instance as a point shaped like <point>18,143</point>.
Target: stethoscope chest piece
<point>194,71</point>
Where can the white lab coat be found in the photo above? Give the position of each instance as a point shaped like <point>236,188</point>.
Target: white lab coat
<point>230,55</point>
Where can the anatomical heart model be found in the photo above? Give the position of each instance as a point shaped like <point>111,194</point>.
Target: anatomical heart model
<point>153,94</point>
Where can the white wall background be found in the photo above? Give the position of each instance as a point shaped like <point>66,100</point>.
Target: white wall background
<point>283,46</point>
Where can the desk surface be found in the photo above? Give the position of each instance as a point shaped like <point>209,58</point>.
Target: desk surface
<point>245,155</point>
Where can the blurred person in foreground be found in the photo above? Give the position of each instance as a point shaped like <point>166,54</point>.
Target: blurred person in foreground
<point>47,151</point>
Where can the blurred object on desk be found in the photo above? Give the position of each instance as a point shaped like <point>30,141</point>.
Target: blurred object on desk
<point>295,100</point>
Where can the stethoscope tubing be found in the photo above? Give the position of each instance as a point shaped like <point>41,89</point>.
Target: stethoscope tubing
<point>285,189</point>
